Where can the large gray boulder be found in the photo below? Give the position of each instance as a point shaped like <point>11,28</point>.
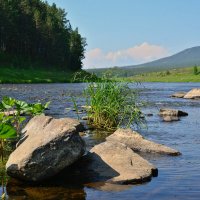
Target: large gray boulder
<point>125,165</point>
<point>48,146</point>
<point>193,94</point>
<point>172,112</point>
<point>138,143</point>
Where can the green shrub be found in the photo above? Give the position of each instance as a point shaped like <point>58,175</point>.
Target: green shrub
<point>195,70</point>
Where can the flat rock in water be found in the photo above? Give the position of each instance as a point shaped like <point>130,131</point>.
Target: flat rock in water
<point>128,166</point>
<point>138,143</point>
<point>48,146</point>
<point>172,112</point>
<point>193,94</point>
<point>179,94</point>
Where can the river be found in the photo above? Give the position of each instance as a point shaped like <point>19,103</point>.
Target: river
<point>178,177</point>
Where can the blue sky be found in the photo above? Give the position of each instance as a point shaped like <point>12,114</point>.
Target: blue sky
<point>126,32</point>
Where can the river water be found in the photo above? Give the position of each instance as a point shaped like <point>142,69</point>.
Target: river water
<point>178,177</point>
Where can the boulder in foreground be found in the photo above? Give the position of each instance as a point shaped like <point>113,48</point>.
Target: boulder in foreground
<point>49,145</point>
<point>128,166</point>
<point>138,143</point>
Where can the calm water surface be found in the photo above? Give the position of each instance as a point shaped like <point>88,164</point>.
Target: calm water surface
<point>178,178</point>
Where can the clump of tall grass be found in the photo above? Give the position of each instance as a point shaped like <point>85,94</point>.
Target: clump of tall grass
<point>112,104</point>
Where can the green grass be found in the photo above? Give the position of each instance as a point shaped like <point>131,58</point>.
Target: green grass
<point>29,75</point>
<point>175,75</point>
<point>113,104</point>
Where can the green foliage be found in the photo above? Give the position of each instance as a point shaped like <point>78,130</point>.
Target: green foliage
<point>34,30</point>
<point>195,70</point>
<point>75,106</point>
<point>38,75</point>
<point>37,108</point>
<point>176,75</point>
<point>113,104</point>
<point>7,131</point>
<point>11,119</point>
<point>11,110</point>
<point>83,76</point>
<point>21,107</point>
<point>168,72</point>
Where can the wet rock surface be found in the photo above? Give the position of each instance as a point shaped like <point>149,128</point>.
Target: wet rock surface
<point>48,146</point>
<point>172,112</point>
<point>179,94</point>
<point>136,142</point>
<point>193,94</point>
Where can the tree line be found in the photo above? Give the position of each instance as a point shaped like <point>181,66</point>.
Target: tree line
<point>35,30</point>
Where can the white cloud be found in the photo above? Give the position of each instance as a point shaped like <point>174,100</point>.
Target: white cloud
<point>144,52</point>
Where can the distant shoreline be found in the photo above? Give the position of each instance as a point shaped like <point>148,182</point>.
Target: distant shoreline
<point>11,75</point>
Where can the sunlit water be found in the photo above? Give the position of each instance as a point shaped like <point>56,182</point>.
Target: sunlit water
<point>178,178</point>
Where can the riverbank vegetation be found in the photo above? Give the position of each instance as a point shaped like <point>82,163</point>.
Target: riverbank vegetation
<point>175,75</point>
<point>11,124</point>
<point>189,74</point>
<point>38,75</point>
<point>36,37</point>
<point>112,104</point>
<point>11,119</point>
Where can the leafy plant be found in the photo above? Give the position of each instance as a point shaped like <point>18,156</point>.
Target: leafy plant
<point>7,131</point>
<point>11,119</point>
<point>113,104</point>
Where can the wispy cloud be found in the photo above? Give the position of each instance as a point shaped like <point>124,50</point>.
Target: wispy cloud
<point>144,52</point>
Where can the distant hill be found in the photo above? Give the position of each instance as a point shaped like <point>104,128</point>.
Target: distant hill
<point>186,58</point>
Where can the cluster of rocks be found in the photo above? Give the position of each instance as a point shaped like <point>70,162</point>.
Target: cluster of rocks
<point>170,115</point>
<point>49,145</point>
<point>192,94</point>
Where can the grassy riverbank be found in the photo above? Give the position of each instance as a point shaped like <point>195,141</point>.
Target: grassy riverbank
<point>36,75</point>
<point>175,75</point>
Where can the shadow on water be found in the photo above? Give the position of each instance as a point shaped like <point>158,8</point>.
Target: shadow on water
<point>19,191</point>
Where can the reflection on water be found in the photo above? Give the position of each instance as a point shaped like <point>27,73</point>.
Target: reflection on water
<point>178,176</point>
<point>17,190</point>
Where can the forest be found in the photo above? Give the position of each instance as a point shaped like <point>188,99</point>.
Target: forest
<point>34,31</point>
